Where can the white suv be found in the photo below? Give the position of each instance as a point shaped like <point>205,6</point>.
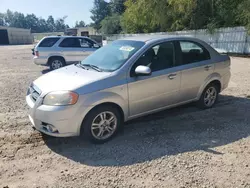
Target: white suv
<point>58,51</point>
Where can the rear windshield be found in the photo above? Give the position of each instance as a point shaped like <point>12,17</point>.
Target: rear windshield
<point>48,42</point>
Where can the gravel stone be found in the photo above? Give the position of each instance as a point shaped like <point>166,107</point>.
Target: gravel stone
<point>182,147</point>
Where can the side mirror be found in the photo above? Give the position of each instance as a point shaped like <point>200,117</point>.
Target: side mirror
<point>96,45</point>
<point>142,71</point>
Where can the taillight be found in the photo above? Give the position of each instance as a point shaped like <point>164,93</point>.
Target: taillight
<point>36,53</point>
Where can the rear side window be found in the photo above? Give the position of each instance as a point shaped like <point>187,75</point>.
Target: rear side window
<point>48,42</point>
<point>193,52</point>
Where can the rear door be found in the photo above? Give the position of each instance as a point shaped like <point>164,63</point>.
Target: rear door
<point>196,66</point>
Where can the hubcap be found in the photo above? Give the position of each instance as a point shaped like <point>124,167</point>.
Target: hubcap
<point>104,125</point>
<point>56,64</point>
<point>210,96</point>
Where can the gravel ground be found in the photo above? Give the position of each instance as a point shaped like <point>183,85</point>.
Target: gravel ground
<point>181,147</point>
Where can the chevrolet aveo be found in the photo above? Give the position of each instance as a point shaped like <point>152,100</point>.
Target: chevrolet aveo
<point>124,80</point>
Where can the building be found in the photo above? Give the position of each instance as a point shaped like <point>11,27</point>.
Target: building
<point>81,31</point>
<point>85,31</point>
<point>11,35</point>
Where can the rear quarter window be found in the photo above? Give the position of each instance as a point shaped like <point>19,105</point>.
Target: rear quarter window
<point>48,42</point>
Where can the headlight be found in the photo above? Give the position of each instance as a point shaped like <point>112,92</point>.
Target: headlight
<point>60,98</point>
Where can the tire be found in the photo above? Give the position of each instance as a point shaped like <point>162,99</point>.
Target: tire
<point>94,123</point>
<point>203,102</point>
<point>56,63</point>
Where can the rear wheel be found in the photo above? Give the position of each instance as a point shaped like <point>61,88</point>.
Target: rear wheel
<point>56,63</point>
<point>101,124</point>
<point>209,96</point>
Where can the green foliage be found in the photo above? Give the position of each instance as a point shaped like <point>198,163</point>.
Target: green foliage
<point>171,15</point>
<point>80,24</point>
<point>139,17</point>
<point>2,19</point>
<point>244,16</point>
<point>100,10</point>
<point>107,16</point>
<point>30,21</point>
<point>111,24</point>
<point>117,6</point>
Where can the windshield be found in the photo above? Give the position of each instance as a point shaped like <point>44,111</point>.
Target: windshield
<point>111,57</point>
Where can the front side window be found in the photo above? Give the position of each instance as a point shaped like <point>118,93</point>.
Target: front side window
<point>70,43</point>
<point>159,57</point>
<point>193,52</point>
<point>86,43</point>
<point>111,57</point>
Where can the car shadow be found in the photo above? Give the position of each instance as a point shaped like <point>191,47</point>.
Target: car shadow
<point>170,132</point>
<point>45,71</point>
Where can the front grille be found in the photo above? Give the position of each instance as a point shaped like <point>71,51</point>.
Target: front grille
<point>34,92</point>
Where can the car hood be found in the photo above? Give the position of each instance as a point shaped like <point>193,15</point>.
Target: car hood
<point>68,78</point>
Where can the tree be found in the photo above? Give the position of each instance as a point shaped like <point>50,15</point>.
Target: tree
<point>43,26</point>
<point>100,10</point>
<point>141,16</point>
<point>51,23</point>
<point>60,24</point>
<point>2,19</point>
<point>32,22</point>
<point>80,24</point>
<point>244,14</point>
<point>172,15</point>
<point>111,24</point>
<point>117,6</point>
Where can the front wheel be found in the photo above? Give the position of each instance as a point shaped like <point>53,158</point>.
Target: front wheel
<point>209,96</point>
<point>101,124</point>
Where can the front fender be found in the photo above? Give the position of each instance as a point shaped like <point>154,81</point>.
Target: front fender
<point>107,97</point>
<point>92,100</point>
<point>209,79</point>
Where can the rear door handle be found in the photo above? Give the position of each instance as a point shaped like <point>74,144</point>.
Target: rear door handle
<point>207,67</point>
<point>171,76</point>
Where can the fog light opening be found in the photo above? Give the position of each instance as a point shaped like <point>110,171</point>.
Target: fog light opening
<point>50,128</point>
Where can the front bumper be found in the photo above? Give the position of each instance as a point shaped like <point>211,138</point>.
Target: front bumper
<point>65,119</point>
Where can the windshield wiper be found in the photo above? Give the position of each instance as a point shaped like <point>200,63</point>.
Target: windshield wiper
<point>91,66</point>
<point>80,65</point>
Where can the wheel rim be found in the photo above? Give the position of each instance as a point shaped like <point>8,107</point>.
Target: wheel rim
<point>56,64</point>
<point>210,96</point>
<point>104,125</point>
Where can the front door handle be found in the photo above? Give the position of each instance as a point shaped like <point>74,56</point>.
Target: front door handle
<point>207,67</point>
<point>171,76</point>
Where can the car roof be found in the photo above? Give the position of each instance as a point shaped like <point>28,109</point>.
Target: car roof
<point>150,38</point>
<point>64,36</point>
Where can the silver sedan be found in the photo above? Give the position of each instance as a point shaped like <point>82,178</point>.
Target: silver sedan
<point>126,79</point>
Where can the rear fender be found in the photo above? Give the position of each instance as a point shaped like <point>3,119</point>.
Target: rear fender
<point>208,80</point>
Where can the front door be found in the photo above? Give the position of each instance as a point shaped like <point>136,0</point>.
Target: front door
<point>161,88</point>
<point>87,48</point>
<point>71,49</point>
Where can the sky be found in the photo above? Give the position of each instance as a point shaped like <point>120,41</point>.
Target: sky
<point>74,9</point>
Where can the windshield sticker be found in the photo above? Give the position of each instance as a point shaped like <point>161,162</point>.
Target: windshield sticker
<point>127,48</point>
